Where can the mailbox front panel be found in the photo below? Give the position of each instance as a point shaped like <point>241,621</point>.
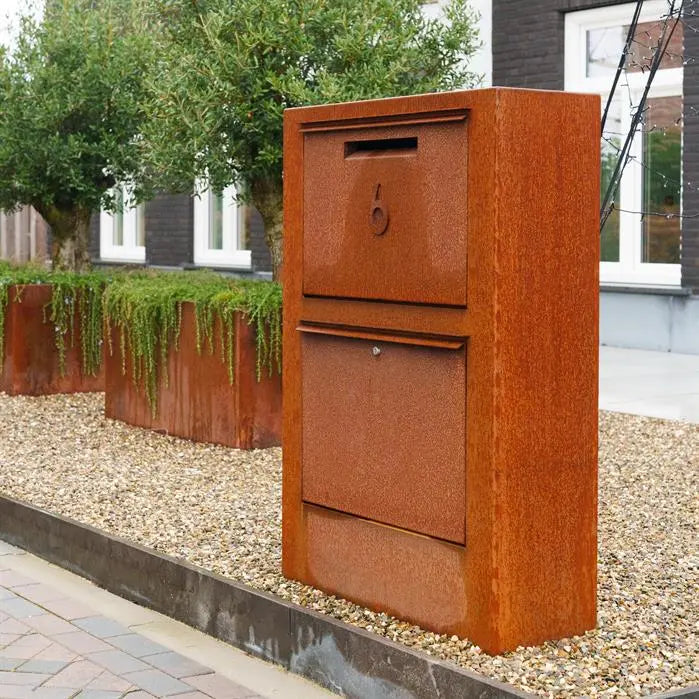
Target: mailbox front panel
<point>384,431</point>
<point>385,213</point>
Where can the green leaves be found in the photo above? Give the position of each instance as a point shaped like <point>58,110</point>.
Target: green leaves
<point>72,105</point>
<point>230,69</point>
<point>146,311</point>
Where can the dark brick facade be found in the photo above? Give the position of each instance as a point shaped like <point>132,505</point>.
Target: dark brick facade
<point>170,230</point>
<point>170,234</point>
<point>528,51</point>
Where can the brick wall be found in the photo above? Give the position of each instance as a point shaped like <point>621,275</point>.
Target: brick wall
<point>170,230</point>
<point>528,51</point>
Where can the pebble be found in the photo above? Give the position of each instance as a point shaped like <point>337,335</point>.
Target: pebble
<point>220,508</point>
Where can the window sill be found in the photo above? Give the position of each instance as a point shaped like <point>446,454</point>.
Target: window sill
<point>653,289</point>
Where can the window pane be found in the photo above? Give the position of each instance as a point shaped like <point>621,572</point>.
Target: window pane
<point>662,176</point>
<point>611,145</point>
<point>118,233</point>
<point>604,47</point>
<point>141,225</point>
<point>215,221</point>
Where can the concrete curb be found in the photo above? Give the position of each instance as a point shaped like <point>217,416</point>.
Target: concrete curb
<point>345,659</point>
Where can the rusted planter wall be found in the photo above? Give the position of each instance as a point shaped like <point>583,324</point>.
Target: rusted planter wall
<point>199,402</point>
<point>31,363</point>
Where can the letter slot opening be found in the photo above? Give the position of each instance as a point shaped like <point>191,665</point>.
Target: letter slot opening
<point>381,147</point>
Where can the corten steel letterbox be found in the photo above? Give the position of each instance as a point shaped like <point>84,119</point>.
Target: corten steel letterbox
<point>440,359</point>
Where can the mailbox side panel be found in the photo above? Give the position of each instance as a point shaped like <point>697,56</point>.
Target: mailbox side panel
<point>293,531</point>
<point>546,365</point>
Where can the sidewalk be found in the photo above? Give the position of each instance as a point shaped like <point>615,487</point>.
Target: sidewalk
<point>657,384</point>
<point>62,637</point>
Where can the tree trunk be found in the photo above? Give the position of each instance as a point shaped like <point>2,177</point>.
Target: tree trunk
<point>267,196</point>
<point>70,234</point>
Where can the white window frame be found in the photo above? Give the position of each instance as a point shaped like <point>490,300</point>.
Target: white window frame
<point>667,83</point>
<point>129,251</point>
<point>231,253</point>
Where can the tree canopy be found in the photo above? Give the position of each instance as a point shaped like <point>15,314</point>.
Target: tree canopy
<point>72,96</point>
<point>229,69</point>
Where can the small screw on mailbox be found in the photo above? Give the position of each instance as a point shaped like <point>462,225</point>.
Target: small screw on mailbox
<point>376,351</point>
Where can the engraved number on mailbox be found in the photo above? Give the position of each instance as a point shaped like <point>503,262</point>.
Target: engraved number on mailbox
<point>378,217</point>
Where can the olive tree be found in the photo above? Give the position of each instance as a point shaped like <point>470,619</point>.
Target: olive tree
<point>229,69</point>
<point>71,114</point>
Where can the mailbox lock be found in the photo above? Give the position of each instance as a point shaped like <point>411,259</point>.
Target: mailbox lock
<point>378,216</point>
<point>376,351</point>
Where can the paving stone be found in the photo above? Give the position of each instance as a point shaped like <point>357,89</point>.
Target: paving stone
<point>68,608</point>
<point>6,593</point>
<point>9,663</point>
<point>97,694</point>
<point>77,675</point>
<point>189,695</point>
<point>52,693</point>
<point>31,679</point>
<point>56,652</point>
<point>110,682</point>
<point>48,667</point>
<point>117,661</point>
<point>26,647</point>
<point>137,645</point>
<point>177,665</point>
<point>9,550</point>
<point>50,624</point>
<point>81,642</point>
<point>7,638</point>
<point>20,608</point>
<point>14,626</point>
<point>39,592</point>
<point>102,627</point>
<point>11,578</point>
<point>140,695</point>
<point>157,683</point>
<point>219,687</point>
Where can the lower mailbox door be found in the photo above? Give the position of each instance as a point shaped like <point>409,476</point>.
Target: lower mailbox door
<point>384,431</point>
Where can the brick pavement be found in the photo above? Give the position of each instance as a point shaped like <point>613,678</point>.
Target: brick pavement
<point>53,646</point>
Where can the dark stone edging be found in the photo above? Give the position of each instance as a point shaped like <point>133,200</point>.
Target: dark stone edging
<point>343,658</point>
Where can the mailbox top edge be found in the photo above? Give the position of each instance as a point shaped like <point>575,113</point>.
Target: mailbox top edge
<point>433,101</point>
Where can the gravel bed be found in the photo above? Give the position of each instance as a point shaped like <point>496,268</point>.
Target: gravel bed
<point>220,508</point>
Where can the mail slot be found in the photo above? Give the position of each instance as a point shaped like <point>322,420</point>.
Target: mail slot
<point>387,197</point>
<point>440,359</point>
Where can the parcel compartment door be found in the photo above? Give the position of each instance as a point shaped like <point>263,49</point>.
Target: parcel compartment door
<point>384,428</point>
<point>384,212</point>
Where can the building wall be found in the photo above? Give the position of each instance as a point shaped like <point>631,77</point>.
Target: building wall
<point>170,234</point>
<point>528,51</point>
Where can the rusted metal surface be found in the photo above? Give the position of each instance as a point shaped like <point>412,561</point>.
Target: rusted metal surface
<point>403,460</point>
<point>31,365</point>
<point>199,403</point>
<point>415,577</point>
<point>521,290</point>
<point>386,198</point>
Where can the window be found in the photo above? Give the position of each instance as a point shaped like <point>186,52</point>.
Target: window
<point>123,233</point>
<point>640,241</point>
<point>220,230</point>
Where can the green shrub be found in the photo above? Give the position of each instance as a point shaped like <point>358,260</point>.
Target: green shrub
<point>146,310</point>
<point>75,296</point>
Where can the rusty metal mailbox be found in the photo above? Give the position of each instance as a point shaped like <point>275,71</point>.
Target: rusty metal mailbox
<point>440,359</point>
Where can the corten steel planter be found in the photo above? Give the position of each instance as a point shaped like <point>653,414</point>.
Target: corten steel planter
<point>199,402</point>
<point>440,359</point>
<point>31,364</point>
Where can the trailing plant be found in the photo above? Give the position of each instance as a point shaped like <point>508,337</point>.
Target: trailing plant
<point>146,311</point>
<point>75,298</point>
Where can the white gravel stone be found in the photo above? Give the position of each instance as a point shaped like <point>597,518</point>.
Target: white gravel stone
<point>220,508</point>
